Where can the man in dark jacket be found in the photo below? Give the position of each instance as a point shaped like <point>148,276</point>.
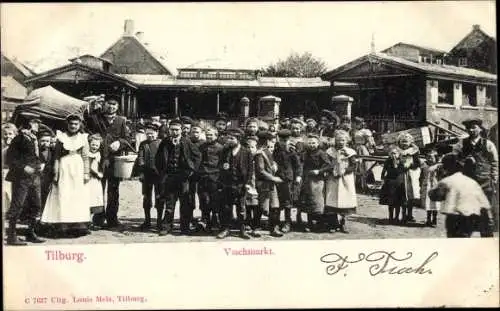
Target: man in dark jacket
<point>176,160</point>
<point>115,133</point>
<point>236,170</point>
<point>23,158</point>
<point>480,158</point>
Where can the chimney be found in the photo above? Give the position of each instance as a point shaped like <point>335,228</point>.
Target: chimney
<point>475,27</point>
<point>128,29</point>
<point>140,36</point>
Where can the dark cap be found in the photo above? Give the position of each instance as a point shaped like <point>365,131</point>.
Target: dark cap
<point>237,133</point>
<point>265,135</point>
<point>113,98</point>
<point>152,126</point>
<point>72,117</point>
<point>196,124</point>
<point>297,121</point>
<point>284,133</point>
<point>45,132</point>
<point>312,135</point>
<point>163,116</point>
<point>221,116</point>
<point>252,137</point>
<point>471,122</point>
<point>359,120</point>
<point>175,122</point>
<point>186,120</point>
<point>331,115</point>
<point>252,120</point>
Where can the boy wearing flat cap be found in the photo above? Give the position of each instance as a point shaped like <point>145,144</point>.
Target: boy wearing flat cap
<point>187,122</point>
<point>480,160</point>
<point>47,160</point>
<point>23,159</point>
<point>235,177</point>
<point>150,178</point>
<point>290,171</point>
<point>176,160</point>
<point>208,180</point>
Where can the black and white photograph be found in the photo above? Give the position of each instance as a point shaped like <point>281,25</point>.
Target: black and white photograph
<point>167,123</point>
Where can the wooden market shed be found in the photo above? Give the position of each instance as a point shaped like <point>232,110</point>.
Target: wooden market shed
<point>397,93</point>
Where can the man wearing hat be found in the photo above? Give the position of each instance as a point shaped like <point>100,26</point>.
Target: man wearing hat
<point>149,175</point>
<point>236,170</point>
<point>480,158</point>
<point>290,171</point>
<point>113,129</point>
<point>23,159</point>
<point>176,160</point>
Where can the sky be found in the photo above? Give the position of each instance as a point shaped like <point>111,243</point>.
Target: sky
<point>248,35</point>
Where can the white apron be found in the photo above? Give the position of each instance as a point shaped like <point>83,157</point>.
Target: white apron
<point>340,193</point>
<point>68,201</point>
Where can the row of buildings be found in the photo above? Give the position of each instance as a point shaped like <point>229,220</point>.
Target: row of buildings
<point>404,85</point>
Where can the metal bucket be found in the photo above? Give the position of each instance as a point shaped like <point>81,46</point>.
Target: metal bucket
<point>123,166</point>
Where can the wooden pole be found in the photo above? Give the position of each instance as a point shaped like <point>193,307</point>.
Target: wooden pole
<point>218,102</point>
<point>129,103</point>
<point>122,103</point>
<point>176,107</point>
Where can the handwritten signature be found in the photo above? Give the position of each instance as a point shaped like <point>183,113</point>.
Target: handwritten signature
<point>382,263</point>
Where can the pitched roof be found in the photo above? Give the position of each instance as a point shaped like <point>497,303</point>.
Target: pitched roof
<point>27,72</point>
<point>157,55</point>
<point>419,47</point>
<point>473,43</point>
<point>72,66</point>
<point>424,68</point>
<point>13,89</point>
<point>262,82</point>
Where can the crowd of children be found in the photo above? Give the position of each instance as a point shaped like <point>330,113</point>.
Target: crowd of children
<point>241,174</point>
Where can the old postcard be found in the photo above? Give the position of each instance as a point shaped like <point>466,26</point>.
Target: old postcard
<point>249,155</point>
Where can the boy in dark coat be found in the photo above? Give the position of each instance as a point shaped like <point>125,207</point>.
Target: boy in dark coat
<point>235,173</point>
<point>46,158</point>
<point>208,179</point>
<point>23,158</point>
<point>149,175</point>
<point>290,171</point>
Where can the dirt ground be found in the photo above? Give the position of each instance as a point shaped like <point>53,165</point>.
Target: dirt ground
<point>370,222</point>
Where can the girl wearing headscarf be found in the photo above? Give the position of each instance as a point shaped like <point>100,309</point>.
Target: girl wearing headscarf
<point>340,190</point>
<point>411,174</point>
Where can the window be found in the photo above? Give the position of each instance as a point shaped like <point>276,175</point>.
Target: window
<point>227,75</point>
<point>188,74</point>
<point>491,99</point>
<point>439,62</point>
<point>462,62</point>
<point>469,94</point>
<point>445,92</point>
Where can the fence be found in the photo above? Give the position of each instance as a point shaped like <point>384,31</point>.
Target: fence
<point>394,123</point>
